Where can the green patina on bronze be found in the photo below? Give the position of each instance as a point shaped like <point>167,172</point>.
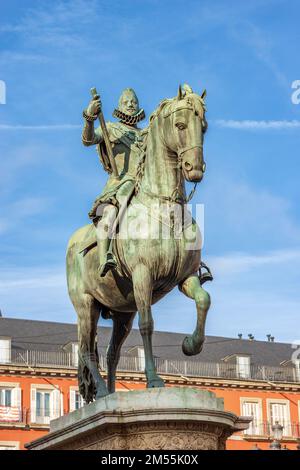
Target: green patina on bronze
<point>160,159</point>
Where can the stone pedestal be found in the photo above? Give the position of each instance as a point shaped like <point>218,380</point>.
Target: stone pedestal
<point>175,418</point>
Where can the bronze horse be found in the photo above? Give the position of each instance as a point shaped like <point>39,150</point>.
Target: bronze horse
<point>149,267</point>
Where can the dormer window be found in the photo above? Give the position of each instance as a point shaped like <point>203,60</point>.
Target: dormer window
<point>297,367</point>
<point>138,353</point>
<point>75,354</point>
<point>243,366</point>
<point>5,350</point>
<point>72,349</point>
<point>141,359</point>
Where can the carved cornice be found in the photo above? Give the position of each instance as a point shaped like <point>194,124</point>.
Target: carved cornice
<point>257,385</point>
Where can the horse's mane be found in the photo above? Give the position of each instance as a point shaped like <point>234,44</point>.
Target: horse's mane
<point>141,164</point>
<point>159,108</point>
<point>199,106</point>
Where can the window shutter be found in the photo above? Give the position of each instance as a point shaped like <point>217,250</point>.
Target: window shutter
<point>33,405</point>
<point>16,400</point>
<point>251,408</point>
<point>55,404</point>
<point>72,400</point>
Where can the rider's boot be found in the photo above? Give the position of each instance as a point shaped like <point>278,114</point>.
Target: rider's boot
<point>107,259</point>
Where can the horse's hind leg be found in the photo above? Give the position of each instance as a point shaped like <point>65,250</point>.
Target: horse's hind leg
<point>122,324</point>
<point>91,384</point>
<point>191,287</point>
<point>142,285</point>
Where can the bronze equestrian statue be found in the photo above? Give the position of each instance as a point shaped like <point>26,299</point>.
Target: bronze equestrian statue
<point>139,270</point>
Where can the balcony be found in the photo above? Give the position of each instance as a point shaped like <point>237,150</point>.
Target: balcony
<point>12,415</point>
<point>223,370</point>
<point>263,430</point>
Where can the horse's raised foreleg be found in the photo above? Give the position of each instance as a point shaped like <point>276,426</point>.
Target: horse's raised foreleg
<point>142,286</point>
<point>122,324</point>
<point>191,288</point>
<point>91,384</point>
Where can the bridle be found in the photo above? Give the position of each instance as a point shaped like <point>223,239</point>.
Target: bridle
<point>175,197</point>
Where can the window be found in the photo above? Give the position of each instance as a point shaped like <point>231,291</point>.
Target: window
<point>243,367</point>
<point>5,350</point>
<point>279,411</point>
<point>297,369</point>
<point>9,445</point>
<point>10,402</point>
<point>46,404</point>
<point>253,408</point>
<point>5,396</point>
<point>43,407</point>
<point>72,349</point>
<point>75,354</point>
<point>76,400</point>
<point>141,359</point>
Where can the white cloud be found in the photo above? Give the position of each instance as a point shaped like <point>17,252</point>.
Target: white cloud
<point>36,293</point>
<point>234,263</point>
<point>246,216</point>
<point>258,125</point>
<point>21,210</point>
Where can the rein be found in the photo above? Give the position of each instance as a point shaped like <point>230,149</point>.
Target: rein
<point>175,196</point>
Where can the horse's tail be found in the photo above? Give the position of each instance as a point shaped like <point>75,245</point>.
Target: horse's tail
<point>86,383</point>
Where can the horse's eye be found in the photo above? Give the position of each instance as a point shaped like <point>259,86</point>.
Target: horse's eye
<point>180,126</point>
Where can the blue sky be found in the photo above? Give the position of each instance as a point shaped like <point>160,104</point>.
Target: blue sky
<point>246,55</point>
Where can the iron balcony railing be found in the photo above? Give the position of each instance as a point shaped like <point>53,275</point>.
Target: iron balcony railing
<point>223,370</point>
<point>11,415</point>
<point>264,429</point>
<point>17,415</point>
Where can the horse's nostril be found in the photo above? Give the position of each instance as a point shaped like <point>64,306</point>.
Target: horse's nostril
<point>188,166</point>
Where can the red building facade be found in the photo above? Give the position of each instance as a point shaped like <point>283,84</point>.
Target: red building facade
<point>39,384</point>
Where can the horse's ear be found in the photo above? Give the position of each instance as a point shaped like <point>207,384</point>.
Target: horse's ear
<point>180,93</point>
<point>203,94</point>
<point>187,89</point>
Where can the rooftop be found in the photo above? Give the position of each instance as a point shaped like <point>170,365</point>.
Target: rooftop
<point>50,336</point>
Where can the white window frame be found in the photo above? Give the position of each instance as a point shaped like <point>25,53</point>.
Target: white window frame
<point>141,358</point>
<point>5,352</point>
<point>297,369</point>
<point>10,445</point>
<point>56,403</point>
<point>243,371</point>
<point>287,431</point>
<point>72,401</point>
<point>16,399</point>
<point>256,427</point>
<point>75,348</point>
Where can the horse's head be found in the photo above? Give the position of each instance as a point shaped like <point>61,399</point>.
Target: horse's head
<point>184,129</point>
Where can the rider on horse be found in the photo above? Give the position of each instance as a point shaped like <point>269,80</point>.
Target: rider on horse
<point>126,141</point>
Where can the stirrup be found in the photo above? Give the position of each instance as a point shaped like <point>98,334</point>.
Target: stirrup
<point>205,276</point>
<point>109,264</point>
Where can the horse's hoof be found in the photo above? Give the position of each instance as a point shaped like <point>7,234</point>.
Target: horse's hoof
<point>189,348</point>
<point>156,383</point>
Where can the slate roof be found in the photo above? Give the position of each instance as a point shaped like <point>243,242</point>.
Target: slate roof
<point>51,336</point>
